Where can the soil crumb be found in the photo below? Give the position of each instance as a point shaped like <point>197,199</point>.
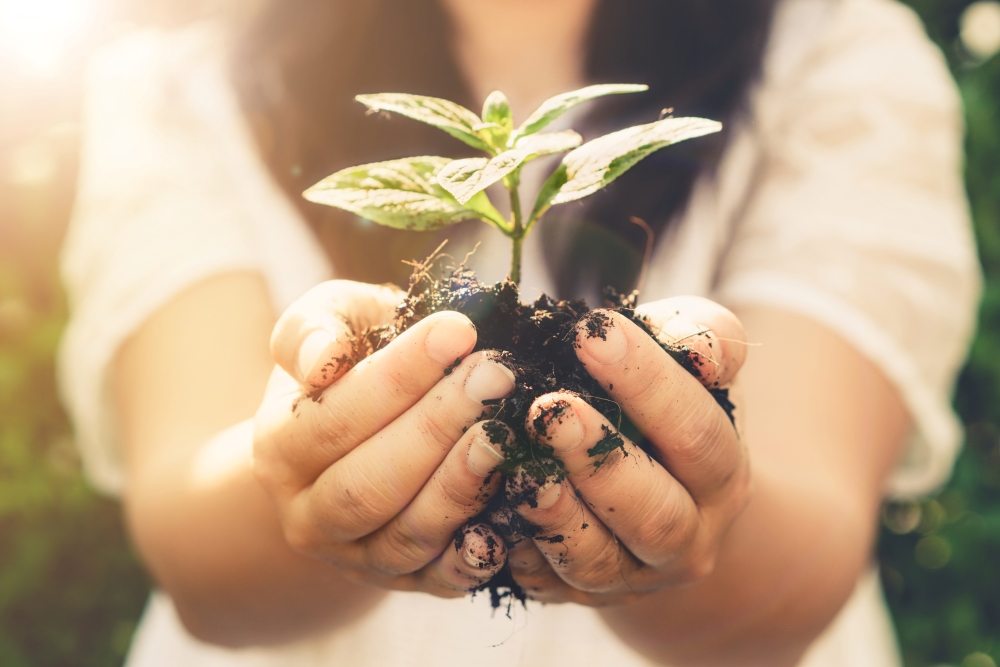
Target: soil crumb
<point>537,342</point>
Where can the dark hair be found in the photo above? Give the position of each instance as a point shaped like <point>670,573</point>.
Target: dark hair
<point>299,66</point>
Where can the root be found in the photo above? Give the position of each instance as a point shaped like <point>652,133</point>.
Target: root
<point>469,254</point>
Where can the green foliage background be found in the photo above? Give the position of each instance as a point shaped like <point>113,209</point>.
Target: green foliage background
<point>71,588</point>
<point>942,578</point>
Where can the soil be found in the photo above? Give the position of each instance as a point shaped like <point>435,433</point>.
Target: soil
<point>538,343</point>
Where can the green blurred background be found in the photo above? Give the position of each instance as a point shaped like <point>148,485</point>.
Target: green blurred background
<point>71,588</point>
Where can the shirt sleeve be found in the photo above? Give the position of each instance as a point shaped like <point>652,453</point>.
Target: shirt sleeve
<point>858,217</point>
<point>170,193</point>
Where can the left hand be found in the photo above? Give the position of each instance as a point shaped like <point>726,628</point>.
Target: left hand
<point>622,524</point>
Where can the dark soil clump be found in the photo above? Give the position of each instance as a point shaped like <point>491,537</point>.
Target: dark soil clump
<point>538,343</point>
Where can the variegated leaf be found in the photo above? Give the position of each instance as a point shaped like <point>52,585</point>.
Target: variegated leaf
<point>404,194</point>
<point>597,163</point>
<point>453,118</point>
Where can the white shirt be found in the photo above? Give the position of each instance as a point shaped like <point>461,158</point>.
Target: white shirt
<point>839,198</point>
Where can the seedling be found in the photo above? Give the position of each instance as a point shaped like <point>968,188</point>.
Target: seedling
<point>427,193</point>
<point>536,341</point>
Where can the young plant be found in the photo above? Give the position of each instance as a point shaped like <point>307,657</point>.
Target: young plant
<point>427,193</point>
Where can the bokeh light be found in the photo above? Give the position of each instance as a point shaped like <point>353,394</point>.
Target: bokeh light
<point>978,659</point>
<point>36,35</point>
<point>979,29</point>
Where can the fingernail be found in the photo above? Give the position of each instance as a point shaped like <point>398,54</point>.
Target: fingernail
<point>313,350</point>
<point>474,560</point>
<point>564,431</point>
<point>548,494</point>
<point>488,381</point>
<point>483,458</point>
<point>603,339</point>
<point>476,542</point>
<point>452,337</point>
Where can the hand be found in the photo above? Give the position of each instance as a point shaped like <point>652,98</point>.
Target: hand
<point>377,467</point>
<point>623,523</point>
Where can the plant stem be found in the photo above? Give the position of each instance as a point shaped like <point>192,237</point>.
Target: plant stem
<point>515,259</point>
<point>518,233</point>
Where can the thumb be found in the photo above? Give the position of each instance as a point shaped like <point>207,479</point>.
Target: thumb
<point>710,332</point>
<point>315,339</point>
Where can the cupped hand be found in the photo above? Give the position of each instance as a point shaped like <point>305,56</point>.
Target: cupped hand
<point>624,523</point>
<point>377,467</point>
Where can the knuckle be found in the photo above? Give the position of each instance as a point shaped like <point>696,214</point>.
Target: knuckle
<point>646,388</point>
<point>352,508</point>
<point>742,490</point>
<point>603,573</point>
<point>467,500</point>
<point>401,380</point>
<point>731,502</point>
<point>701,435</point>
<point>267,475</point>
<point>611,471</point>
<point>331,425</point>
<point>359,516</point>
<point>463,501</point>
<point>302,537</point>
<point>697,567</point>
<point>268,464</point>
<point>667,531</point>
<point>436,429</point>
<point>398,552</point>
<point>265,465</point>
<point>655,535</point>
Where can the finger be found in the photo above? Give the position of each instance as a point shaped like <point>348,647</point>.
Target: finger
<point>374,482</point>
<point>711,335</point>
<point>457,492</point>
<point>634,496</point>
<point>296,437</point>
<point>691,435</point>
<point>578,547</point>
<point>531,570</point>
<point>475,555</point>
<point>314,338</point>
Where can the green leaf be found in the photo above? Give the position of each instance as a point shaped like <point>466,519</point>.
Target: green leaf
<point>548,192</point>
<point>465,178</point>
<point>560,104</point>
<point>496,109</point>
<point>494,135</point>
<point>460,177</point>
<point>599,162</point>
<point>402,193</point>
<point>549,143</point>
<point>453,118</point>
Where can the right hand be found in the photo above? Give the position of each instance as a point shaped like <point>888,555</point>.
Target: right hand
<point>378,467</point>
